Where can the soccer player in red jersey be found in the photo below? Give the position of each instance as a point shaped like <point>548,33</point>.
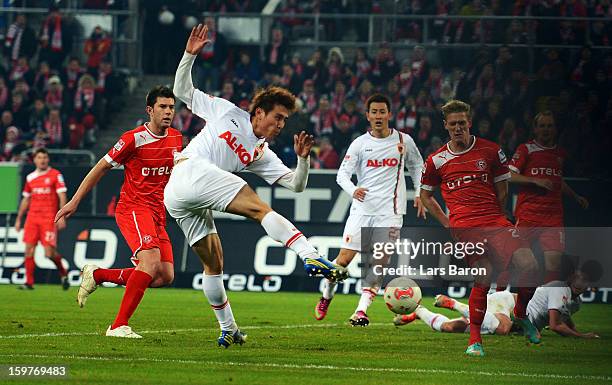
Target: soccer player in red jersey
<point>473,174</point>
<point>43,192</point>
<point>146,152</point>
<point>538,167</point>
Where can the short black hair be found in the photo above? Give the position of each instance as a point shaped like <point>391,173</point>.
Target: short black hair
<point>159,92</point>
<point>378,98</point>
<point>40,150</point>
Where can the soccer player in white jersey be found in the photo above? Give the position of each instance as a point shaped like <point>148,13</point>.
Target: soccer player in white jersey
<point>202,179</point>
<point>378,158</point>
<point>552,305</point>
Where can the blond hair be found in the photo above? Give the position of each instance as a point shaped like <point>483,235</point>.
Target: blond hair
<point>453,106</point>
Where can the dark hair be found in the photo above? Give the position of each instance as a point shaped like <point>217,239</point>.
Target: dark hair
<point>40,150</point>
<point>454,106</point>
<point>542,115</point>
<point>269,97</point>
<point>158,92</point>
<point>378,98</point>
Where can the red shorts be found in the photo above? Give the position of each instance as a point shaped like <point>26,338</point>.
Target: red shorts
<point>550,238</point>
<point>500,238</point>
<point>142,232</point>
<point>40,230</point>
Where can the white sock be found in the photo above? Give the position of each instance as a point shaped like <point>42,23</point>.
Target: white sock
<point>367,297</point>
<point>434,320</point>
<point>212,285</point>
<point>462,308</point>
<point>329,288</point>
<point>281,230</point>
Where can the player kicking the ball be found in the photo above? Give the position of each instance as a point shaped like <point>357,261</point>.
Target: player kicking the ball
<point>202,180</point>
<point>146,152</point>
<point>378,158</point>
<point>473,174</point>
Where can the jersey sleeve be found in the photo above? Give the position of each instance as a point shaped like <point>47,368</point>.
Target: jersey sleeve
<point>347,168</point>
<point>27,190</point>
<point>430,177</point>
<point>519,160</point>
<point>413,163</point>
<point>500,169</point>
<point>556,296</point>
<point>122,151</point>
<point>268,166</point>
<point>60,185</point>
<point>208,107</point>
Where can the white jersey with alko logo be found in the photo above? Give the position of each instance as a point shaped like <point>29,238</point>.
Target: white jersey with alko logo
<point>228,140</point>
<point>554,295</point>
<point>379,164</point>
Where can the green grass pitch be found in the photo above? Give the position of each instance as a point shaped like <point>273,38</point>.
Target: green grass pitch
<point>286,344</point>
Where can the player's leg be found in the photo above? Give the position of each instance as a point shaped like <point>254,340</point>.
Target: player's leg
<point>52,254</point>
<point>248,204</point>
<point>343,259</point>
<point>552,266</point>
<point>525,263</point>
<point>29,266</point>
<point>478,307</point>
<point>452,304</point>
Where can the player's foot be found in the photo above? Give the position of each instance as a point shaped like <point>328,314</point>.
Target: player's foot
<point>360,318</point>
<point>227,338</point>
<point>65,283</point>
<point>88,284</point>
<point>25,286</point>
<point>475,350</point>
<point>321,308</point>
<point>444,301</point>
<point>404,319</point>
<point>321,267</point>
<point>122,331</point>
<point>529,331</point>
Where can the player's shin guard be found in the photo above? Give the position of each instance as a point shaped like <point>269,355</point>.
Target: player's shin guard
<point>116,276</point>
<point>57,260</point>
<point>367,297</point>
<point>134,291</point>
<point>212,285</point>
<point>29,270</point>
<point>281,230</point>
<point>478,308</point>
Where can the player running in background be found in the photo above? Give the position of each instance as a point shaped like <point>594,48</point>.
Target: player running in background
<point>378,158</point>
<point>202,180</point>
<point>146,152</point>
<point>43,194</point>
<point>552,305</point>
<point>473,174</point>
<point>538,167</point>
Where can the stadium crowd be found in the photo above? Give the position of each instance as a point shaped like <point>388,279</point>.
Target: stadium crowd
<point>44,102</point>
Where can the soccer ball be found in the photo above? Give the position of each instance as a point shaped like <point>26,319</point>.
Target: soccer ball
<point>402,295</point>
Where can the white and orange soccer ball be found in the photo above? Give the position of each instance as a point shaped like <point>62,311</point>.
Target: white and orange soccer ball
<point>402,295</point>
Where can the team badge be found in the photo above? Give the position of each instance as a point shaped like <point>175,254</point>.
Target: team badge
<point>502,156</point>
<point>118,146</point>
<point>147,239</point>
<point>481,164</point>
<point>47,181</point>
<point>401,147</point>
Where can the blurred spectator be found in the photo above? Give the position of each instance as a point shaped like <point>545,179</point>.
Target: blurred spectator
<point>362,65</point>
<point>6,121</point>
<point>308,96</point>
<point>296,64</point>
<point>275,52</point>
<point>55,39</point>
<point>246,74</point>
<point>338,97</point>
<point>20,39</point>
<point>484,129</point>
<point>54,129</point>
<point>71,75</point>
<point>37,115</point>
<point>335,67</point>
<point>212,58</point>
<point>315,69</point>
<point>4,94</point>
<point>86,113</point>
<point>424,132</point>
<point>96,48</point>
<point>385,67</point>
<point>54,98</point>
<point>227,92</point>
<point>20,112</point>
<point>434,145</point>
<point>289,10</point>
<point>12,146</point>
<point>323,118</point>
<point>508,137</point>
<point>327,157</point>
<point>186,122</point>
<point>290,80</point>
<point>343,134</point>
<point>406,117</point>
<point>21,70</point>
<point>109,85</point>
<point>41,80</point>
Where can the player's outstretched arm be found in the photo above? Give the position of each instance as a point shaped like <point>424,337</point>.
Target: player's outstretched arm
<point>183,84</point>
<point>23,207</point>
<point>92,178</point>
<point>523,179</point>
<point>557,325</point>
<point>567,190</point>
<point>297,180</point>
<point>432,205</point>
<point>501,191</point>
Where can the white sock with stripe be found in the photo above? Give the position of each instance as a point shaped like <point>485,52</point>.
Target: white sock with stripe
<point>329,288</point>
<point>281,230</point>
<point>367,297</point>
<point>212,285</point>
<point>462,308</point>
<point>434,320</point>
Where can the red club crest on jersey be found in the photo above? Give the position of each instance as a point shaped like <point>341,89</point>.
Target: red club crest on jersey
<point>401,147</point>
<point>481,164</point>
<point>399,293</point>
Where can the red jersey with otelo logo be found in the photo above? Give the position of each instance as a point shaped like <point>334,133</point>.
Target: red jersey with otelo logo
<point>42,189</point>
<point>537,205</point>
<point>148,161</point>
<point>467,180</point>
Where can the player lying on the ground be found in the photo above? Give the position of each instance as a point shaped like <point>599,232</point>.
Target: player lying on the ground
<point>552,305</point>
<point>378,158</point>
<point>202,180</point>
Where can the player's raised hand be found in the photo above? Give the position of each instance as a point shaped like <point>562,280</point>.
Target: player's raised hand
<point>302,144</point>
<point>583,202</point>
<point>66,211</point>
<point>421,210</point>
<point>360,193</point>
<point>197,39</point>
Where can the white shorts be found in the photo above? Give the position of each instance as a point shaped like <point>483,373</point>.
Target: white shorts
<point>489,323</point>
<point>196,187</point>
<point>351,238</point>
<point>499,302</point>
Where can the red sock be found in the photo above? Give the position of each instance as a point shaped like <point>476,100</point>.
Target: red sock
<point>57,260</point>
<point>551,276</point>
<point>116,276</point>
<point>29,268</point>
<point>478,307</point>
<point>134,291</point>
<point>522,299</point>
<point>502,280</point>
